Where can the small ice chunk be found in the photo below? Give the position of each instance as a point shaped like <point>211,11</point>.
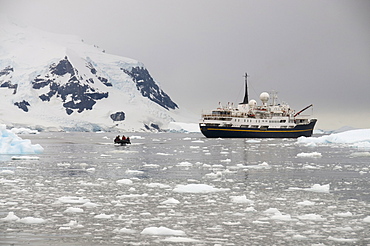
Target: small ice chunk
<point>197,188</point>
<point>310,155</point>
<point>73,210</point>
<point>124,181</point>
<point>272,211</point>
<point>240,199</point>
<point>283,217</point>
<point>299,237</point>
<point>313,217</point>
<point>10,217</point>
<point>197,141</point>
<point>306,203</point>
<point>180,240</point>
<point>319,188</point>
<point>263,165</point>
<point>342,240</point>
<point>360,154</point>
<point>185,164</point>
<point>137,137</point>
<point>73,200</point>
<point>158,185</point>
<point>6,172</point>
<point>160,153</point>
<point>171,201</point>
<point>124,231</point>
<point>31,220</point>
<point>366,219</point>
<point>162,231</point>
<point>345,214</point>
<point>90,170</point>
<point>253,141</point>
<point>103,216</point>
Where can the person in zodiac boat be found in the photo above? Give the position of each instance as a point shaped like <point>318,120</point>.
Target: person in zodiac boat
<point>117,139</point>
<point>122,141</point>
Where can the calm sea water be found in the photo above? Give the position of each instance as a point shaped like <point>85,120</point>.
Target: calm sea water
<point>84,190</point>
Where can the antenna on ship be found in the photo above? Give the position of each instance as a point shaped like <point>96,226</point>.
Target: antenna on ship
<point>245,101</point>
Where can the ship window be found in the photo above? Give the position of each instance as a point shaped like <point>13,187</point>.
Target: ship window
<point>282,121</point>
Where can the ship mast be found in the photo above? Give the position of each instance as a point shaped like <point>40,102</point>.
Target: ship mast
<point>245,101</point>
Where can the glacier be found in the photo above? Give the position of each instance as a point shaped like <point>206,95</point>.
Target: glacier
<point>55,82</point>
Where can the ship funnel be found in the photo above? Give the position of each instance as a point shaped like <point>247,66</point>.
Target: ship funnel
<point>245,101</point>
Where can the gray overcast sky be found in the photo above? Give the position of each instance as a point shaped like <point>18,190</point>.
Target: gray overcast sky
<point>310,51</point>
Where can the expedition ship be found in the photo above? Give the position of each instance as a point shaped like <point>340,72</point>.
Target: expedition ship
<point>249,120</point>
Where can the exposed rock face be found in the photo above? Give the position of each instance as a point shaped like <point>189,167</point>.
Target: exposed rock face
<point>5,79</point>
<point>148,88</point>
<point>22,105</point>
<point>118,116</point>
<point>77,93</point>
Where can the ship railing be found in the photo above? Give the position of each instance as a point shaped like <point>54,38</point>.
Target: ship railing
<point>224,115</point>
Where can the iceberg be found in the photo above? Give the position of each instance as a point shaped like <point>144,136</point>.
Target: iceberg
<point>10,143</point>
<point>358,137</point>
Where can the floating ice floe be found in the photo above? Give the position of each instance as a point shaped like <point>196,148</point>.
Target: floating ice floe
<point>31,220</point>
<point>90,205</point>
<point>241,199</point>
<point>366,219</point>
<point>10,217</point>
<point>360,154</point>
<point>171,201</point>
<point>197,188</point>
<point>72,200</point>
<point>356,138</point>
<point>124,231</point>
<point>137,137</point>
<point>158,185</point>
<point>342,240</point>
<point>70,225</point>
<point>345,214</point>
<point>103,216</point>
<point>310,155</point>
<point>299,237</point>
<point>275,214</point>
<point>73,210</point>
<point>263,165</point>
<point>184,164</point>
<point>315,188</point>
<point>306,203</point>
<point>180,240</point>
<point>162,231</point>
<point>10,143</point>
<point>124,181</point>
<point>6,172</point>
<point>313,217</point>
<point>23,130</point>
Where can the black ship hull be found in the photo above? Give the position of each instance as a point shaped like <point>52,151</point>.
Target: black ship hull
<point>240,132</point>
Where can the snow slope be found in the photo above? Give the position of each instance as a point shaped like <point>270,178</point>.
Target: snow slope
<point>57,82</point>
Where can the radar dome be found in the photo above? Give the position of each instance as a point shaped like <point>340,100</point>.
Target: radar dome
<point>264,97</point>
<point>252,103</point>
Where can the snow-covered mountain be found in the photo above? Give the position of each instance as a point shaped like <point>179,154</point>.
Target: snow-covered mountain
<point>57,82</point>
